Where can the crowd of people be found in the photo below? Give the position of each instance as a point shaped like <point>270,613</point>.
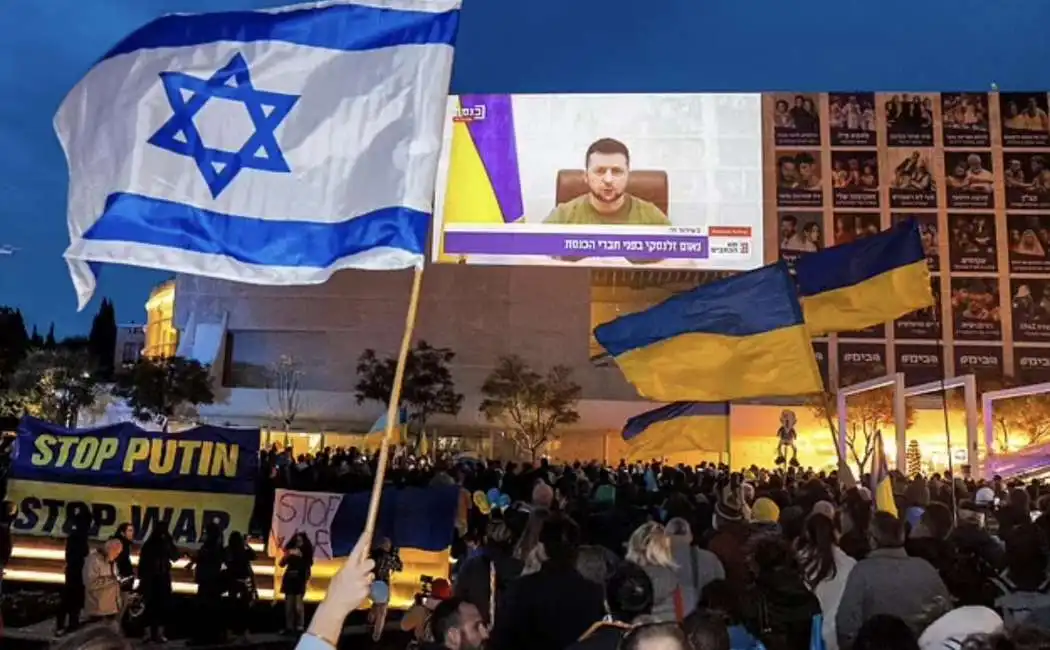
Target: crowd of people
<point>639,555</point>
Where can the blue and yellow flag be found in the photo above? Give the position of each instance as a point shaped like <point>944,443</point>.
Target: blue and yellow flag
<point>867,282</point>
<point>737,338</point>
<point>678,427</point>
<point>881,481</point>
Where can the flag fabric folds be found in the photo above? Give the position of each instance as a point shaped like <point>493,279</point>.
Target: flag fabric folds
<point>737,338</point>
<point>881,481</point>
<point>867,282</point>
<point>268,147</point>
<point>678,427</point>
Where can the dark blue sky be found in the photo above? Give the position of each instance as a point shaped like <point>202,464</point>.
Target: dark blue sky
<point>506,46</point>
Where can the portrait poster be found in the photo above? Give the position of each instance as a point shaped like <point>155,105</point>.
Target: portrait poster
<point>800,233</point>
<point>924,324</point>
<point>909,119</point>
<point>851,117</point>
<point>851,226</point>
<point>820,352</point>
<point>975,309</point>
<point>964,118</point>
<point>911,178</point>
<point>799,183</point>
<point>796,119</point>
<point>1032,365</point>
<point>985,361</point>
<point>1030,306</point>
<point>860,361</point>
<point>1027,180</point>
<point>972,242</point>
<point>855,178</point>
<point>1029,242</point>
<point>1024,119</point>
<point>929,232</point>
<point>920,364</point>
<point>969,179</point>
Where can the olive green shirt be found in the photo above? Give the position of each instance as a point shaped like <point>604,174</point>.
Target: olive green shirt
<point>634,212</point>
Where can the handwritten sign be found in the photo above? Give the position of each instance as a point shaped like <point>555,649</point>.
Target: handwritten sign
<point>304,512</point>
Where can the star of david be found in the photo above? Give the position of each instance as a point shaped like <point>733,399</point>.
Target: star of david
<point>188,95</point>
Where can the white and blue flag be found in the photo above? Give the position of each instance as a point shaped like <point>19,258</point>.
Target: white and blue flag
<point>268,147</point>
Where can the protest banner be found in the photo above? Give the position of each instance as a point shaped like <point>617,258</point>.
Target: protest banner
<point>123,473</point>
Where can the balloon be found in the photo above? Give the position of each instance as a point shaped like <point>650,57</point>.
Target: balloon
<point>482,502</point>
<point>493,495</point>
<point>503,501</point>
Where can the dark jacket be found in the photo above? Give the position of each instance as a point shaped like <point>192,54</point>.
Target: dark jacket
<point>779,610</point>
<point>123,561</point>
<point>296,573</point>
<point>473,583</point>
<point>547,610</point>
<point>602,636</point>
<point>155,558</point>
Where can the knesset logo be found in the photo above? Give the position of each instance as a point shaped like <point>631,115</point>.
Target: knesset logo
<point>854,357</point>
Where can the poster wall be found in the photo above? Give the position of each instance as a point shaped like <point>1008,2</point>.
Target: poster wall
<point>920,364</point>
<point>973,169</point>
<point>668,181</point>
<point>1032,365</point>
<point>860,361</point>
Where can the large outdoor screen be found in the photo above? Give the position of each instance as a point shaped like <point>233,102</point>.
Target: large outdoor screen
<point>671,181</point>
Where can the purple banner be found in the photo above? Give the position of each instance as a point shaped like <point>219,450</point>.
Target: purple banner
<point>491,128</point>
<point>635,247</point>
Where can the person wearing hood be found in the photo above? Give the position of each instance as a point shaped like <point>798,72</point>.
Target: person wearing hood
<point>628,599</point>
<point>79,524</point>
<point>729,541</point>
<point>778,608</point>
<point>697,567</point>
<point>765,516</point>
<point>155,560</point>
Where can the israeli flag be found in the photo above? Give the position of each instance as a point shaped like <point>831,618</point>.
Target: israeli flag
<point>268,147</point>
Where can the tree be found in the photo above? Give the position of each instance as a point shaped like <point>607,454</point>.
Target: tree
<point>158,390</point>
<point>14,342</point>
<point>866,413</point>
<point>103,338</point>
<point>427,390</point>
<point>55,385</point>
<point>49,342</point>
<point>531,405</point>
<point>36,341</point>
<point>1027,417</point>
<point>284,383</point>
<point>914,458</point>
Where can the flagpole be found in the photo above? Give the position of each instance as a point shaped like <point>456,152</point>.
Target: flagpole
<point>392,409</point>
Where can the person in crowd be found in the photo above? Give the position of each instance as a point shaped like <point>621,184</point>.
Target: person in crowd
<point>596,563</point>
<point>885,632</point>
<point>208,574</point>
<point>765,516</point>
<point>778,608</point>
<point>387,563</point>
<point>825,568</point>
<point>655,636</point>
<point>720,599</point>
<point>706,631</point>
<point>155,560</point>
<point>696,567</point>
<point>240,583</point>
<point>79,523</point>
<point>887,581</point>
<point>458,625</point>
<point>1016,512</point>
<point>565,602</point>
<point>494,566</point>
<point>729,542</point>
<point>954,628</point>
<point>298,560</point>
<point>124,534</point>
<point>855,521</point>
<point>650,548</point>
<point>1024,585</point>
<point>629,599</point>
<point>417,619</point>
<point>102,599</point>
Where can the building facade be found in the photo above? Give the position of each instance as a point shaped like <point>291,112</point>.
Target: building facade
<point>131,343</point>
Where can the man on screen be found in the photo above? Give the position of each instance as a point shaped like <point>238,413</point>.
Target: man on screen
<point>607,202</point>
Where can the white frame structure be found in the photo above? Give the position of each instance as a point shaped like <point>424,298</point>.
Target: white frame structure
<point>900,420</point>
<point>992,396</point>
<point>969,385</point>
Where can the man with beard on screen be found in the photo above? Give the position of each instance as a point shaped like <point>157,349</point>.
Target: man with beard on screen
<point>608,203</point>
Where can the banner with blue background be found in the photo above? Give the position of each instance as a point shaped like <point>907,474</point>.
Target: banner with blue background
<point>123,473</point>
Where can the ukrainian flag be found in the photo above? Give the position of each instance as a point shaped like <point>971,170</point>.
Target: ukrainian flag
<point>881,481</point>
<point>736,338</point>
<point>678,427</point>
<point>867,282</point>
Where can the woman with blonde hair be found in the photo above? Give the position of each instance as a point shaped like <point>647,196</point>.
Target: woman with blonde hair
<point>650,548</point>
<point>696,566</point>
